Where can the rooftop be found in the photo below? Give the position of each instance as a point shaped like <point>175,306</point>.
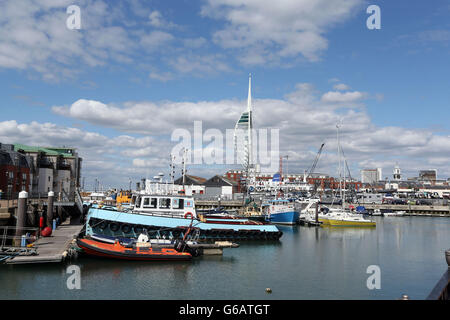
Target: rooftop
<point>65,152</point>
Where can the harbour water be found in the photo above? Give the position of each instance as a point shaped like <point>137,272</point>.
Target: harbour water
<point>307,263</point>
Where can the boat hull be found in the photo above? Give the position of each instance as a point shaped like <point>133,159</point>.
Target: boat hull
<point>285,218</point>
<point>348,223</point>
<point>115,251</point>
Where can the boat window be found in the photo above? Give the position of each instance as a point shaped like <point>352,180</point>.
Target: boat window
<point>138,202</point>
<point>178,203</point>
<point>146,203</point>
<point>164,203</point>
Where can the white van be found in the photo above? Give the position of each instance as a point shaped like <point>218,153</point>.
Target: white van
<point>370,198</point>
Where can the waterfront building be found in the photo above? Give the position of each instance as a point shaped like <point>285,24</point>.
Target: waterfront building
<point>397,174</point>
<point>222,187</point>
<point>428,176</point>
<point>52,169</point>
<point>371,175</point>
<point>318,181</point>
<point>15,172</point>
<point>190,185</point>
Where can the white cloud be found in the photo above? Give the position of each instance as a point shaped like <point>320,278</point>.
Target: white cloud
<point>156,40</point>
<point>341,87</point>
<point>304,118</point>
<point>336,96</point>
<point>194,42</point>
<point>267,31</point>
<point>157,20</point>
<point>198,64</point>
<point>34,37</point>
<point>163,77</point>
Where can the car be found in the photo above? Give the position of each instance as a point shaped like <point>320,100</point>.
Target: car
<point>424,202</point>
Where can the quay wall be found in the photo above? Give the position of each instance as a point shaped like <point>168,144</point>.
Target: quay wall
<point>412,210</point>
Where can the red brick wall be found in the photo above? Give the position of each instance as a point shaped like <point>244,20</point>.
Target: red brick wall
<point>17,181</point>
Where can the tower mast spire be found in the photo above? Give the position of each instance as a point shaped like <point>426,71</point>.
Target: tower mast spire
<point>250,122</point>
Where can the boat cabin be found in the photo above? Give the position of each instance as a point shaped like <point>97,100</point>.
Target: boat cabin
<point>165,205</point>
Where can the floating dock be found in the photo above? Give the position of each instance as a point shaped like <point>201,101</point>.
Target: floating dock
<point>51,249</point>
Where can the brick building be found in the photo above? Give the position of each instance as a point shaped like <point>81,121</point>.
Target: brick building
<point>15,172</point>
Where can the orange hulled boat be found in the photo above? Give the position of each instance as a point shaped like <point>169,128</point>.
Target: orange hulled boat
<point>141,252</point>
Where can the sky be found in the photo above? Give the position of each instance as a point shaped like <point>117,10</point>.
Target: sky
<point>135,71</point>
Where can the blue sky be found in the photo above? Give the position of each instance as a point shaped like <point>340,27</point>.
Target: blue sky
<point>129,54</point>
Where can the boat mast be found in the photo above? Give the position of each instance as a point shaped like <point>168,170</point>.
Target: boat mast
<point>339,160</point>
<point>172,172</point>
<point>184,168</point>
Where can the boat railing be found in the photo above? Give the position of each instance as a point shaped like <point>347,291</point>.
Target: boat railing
<point>10,239</point>
<point>441,290</point>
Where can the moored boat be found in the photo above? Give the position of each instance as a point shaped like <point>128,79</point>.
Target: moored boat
<point>138,251</point>
<point>282,212</point>
<point>347,219</point>
<point>394,213</point>
<point>170,216</point>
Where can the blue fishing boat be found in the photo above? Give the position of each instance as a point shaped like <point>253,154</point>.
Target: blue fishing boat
<point>282,212</point>
<point>169,217</point>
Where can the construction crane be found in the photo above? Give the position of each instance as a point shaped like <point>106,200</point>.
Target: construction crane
<point>280,170</point>
<point>313,167</point>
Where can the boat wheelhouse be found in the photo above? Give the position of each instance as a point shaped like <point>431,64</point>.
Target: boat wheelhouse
<point>165,206</point>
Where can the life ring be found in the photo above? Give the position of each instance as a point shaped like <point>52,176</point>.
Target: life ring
<point>138,229</point>
<point>188,215</point>
<point>114,227</point>
<point>126,228</point>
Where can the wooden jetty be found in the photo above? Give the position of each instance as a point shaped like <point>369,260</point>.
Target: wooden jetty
<point>53,248</point>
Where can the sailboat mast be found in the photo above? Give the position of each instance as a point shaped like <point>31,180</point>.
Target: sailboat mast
<point>339,160</point>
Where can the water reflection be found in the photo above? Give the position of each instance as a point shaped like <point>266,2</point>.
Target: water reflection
<point>307,263</point>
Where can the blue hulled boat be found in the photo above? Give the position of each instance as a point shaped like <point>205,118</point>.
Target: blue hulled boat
<point>282,212</point>
<point>169,216</point>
